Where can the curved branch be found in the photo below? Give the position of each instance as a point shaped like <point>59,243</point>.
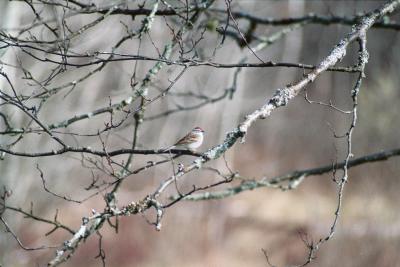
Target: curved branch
<point>309,18</point>
<point>292,178</point>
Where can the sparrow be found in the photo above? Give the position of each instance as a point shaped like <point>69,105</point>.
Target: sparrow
<point>191,141</point>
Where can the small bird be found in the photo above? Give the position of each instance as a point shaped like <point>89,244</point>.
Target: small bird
<point>191,141</point>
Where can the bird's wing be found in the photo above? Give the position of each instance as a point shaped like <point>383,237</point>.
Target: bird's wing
<point>189,138</point>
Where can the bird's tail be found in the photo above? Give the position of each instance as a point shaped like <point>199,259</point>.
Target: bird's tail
<point>169,148</point>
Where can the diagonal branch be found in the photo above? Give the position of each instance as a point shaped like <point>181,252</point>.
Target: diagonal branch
<point>282,96</point>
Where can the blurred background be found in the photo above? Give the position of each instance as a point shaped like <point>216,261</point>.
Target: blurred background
<point>232,231</point>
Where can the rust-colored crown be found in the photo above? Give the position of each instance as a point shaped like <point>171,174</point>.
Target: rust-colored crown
<point>198,129</point>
